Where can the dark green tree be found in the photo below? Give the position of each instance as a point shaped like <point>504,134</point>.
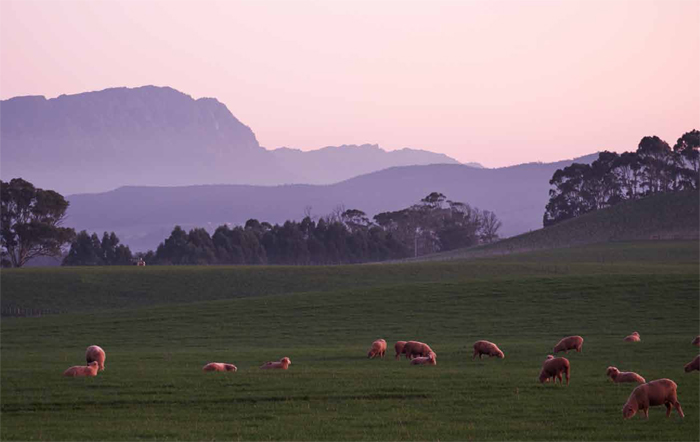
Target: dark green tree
<point>30,222</point>
<point>85,250</point>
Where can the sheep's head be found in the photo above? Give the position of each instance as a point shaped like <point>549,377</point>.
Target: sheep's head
<point>629,410</point>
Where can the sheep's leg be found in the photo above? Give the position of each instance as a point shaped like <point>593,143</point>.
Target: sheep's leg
<point>677,405</point>
<point>646,412</point>
<point>668,409</point>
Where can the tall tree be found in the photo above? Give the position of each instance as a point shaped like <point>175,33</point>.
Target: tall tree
<point>30,222</point>
<point>688,146</point>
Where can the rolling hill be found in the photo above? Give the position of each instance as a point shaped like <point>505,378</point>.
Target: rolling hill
<point>666,216</point>
<point>160,324</point>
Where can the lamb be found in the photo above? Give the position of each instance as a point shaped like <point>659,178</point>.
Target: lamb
<point>82,370</point>
<point>399,346</point>
<point>282,364</point>
<point>625,376</point>
<point>95,353</point>
<point>219,366</point>
<point>553,368</point>
<point>696,341</point>
<point>487,348</point>
<point>415,348</point>
<point>658,392</point>
<point>693,365</point>
<point>569,343</point>
<point>634,337</point>
<point>431,359</point>
<point>378,349</point>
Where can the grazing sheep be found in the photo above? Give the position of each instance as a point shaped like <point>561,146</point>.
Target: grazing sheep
<point>82,370</point>
<point>625,376</point>
<point>431,359</point>
<point>693,365</point>
<point>553,368</point>
<point>95,353</point>
<point>634,337</point>
<point>378,348</point>
<point>415,348</point>
<point>399,347</point>
<point>219,366</point>
<point>658,392</point>
<point>696,341</point>
<point>282,364</point>
<point>569,343</point>
<point>487,348</point>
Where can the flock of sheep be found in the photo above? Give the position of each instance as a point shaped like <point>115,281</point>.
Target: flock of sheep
<point>648,394</point>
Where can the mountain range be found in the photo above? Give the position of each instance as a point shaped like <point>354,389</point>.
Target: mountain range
<point>139,161</point>
<point>158,136</point>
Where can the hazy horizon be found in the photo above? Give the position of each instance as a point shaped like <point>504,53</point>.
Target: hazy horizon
<point>496,83</point>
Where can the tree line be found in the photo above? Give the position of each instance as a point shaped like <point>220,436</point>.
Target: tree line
<point>342,237</point>
<point>613,178</point>
<point>32,218</point>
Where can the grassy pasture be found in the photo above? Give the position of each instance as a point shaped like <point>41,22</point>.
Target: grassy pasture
<point>160,325</point>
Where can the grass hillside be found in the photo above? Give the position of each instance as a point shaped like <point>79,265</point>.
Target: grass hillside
<point>665,216</point>
<point>159,326</point>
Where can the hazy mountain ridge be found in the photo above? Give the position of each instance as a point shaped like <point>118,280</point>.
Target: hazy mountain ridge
<point>353,160</point>
<point>158,136</point>
<point>144,216</point>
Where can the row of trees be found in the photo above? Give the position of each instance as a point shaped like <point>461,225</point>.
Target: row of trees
<point>613,178</point>
<point>88,250</point>
<point>345,236</point>
<point>32,218</point>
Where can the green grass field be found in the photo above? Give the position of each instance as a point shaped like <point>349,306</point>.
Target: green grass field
<point>160,325</point>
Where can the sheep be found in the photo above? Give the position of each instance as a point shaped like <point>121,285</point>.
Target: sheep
<point>634,337</point>
<point>415,348</point>
<point>545,360</point>
<point>95,353</point>
<point>696,341</point>
<point>431,359</point>
<point>553,368</point>
<point>658,392</point>
<point>693,365</point>
<point>219,366</point>
<point>569,343</point>
<point>487,348</point>
<point>82,370</point>
<point>399,347</point>
<point>378,348</point>
<point>625,376</point>
<point>282,364</point>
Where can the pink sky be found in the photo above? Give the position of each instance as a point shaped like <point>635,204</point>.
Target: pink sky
<point>498,82</point>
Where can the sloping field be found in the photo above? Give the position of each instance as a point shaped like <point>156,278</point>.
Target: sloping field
<point>159,326</point>
<point>667,216</point>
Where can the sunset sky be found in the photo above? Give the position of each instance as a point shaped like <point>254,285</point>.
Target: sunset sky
<point>498,82</point>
